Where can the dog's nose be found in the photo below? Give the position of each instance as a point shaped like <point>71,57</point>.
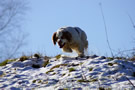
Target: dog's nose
<point>59,42</point>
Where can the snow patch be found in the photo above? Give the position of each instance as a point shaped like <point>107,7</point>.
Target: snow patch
<point>92,73</point>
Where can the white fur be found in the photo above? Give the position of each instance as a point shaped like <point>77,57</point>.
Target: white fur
<point>78,41</point>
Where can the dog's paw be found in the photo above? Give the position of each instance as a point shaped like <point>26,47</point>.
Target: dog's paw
<point>82,57</point>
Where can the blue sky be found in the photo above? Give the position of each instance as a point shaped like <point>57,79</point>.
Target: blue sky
<point>46,16</point>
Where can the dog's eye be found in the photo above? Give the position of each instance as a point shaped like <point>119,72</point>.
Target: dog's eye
<point>62,37</point>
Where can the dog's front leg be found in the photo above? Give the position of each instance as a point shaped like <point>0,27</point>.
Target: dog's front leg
<point>80,52</point>
<point>67,49</point>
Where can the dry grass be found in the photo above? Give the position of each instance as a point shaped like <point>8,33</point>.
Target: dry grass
<point>7,61</point>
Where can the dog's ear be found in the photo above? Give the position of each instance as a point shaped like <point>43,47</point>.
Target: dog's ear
<point>54,38</point>
<point>67,35</point>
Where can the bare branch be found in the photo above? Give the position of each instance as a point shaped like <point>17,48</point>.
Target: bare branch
<point>10,11</point>
<point>130,81</point>
<point>131,20</point>
<point>7,23</point>
<point>107,39</point>
<point>11,37</point>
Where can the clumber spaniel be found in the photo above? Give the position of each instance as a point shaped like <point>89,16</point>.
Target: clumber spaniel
<point>71,38</point>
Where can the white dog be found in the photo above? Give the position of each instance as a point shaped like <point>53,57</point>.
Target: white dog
<point>71,38</point>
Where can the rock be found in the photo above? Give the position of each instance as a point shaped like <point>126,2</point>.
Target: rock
<point>102,57</point>
<point>35,66</point>
<point>93,56</point>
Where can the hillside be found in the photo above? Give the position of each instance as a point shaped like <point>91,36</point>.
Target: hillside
<point>60,73</point>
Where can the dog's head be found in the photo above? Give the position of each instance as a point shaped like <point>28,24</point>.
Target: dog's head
<point>61,37</point>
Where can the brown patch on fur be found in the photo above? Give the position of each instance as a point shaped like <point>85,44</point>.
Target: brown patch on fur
<point>66,48</point>
<point>67,35</point>
<point>54,38</point>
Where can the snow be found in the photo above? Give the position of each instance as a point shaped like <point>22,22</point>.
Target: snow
<point>92,73</point>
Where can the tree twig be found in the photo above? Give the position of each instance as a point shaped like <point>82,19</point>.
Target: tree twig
<point>130,82</point>
<point>131,20</point>
<point>107,39</point>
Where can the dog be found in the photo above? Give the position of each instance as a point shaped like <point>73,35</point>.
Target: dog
<point>71,38</point>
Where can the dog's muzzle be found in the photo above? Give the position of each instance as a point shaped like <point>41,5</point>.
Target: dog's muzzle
<point>61,44</point>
